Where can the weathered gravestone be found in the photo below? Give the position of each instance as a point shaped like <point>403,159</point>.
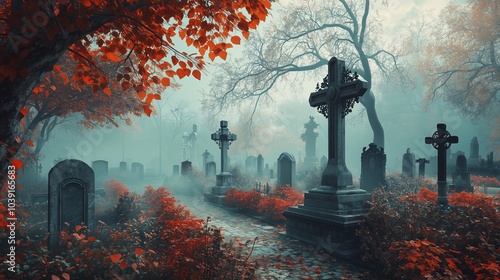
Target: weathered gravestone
<point>205,156</point>
<point>309,136</point>
<point>323,161</point>
<point>186,168</point>
<point>333,210</point>
<point>223,137</point>
<point>175,170</point>
<point>271,173</point>
<point>474,158</point>
<point>123,167</point>
<point>441,140</point>
<point>373,163</point>
<point>260,166</point>
<point>286,170</point>
<point>421,166</point>
<point>409,163</point>
<point>138,171</point>
<point>100,168</point>
<point>71,198</point>
<point>461,177</point>
<point>251,165</point>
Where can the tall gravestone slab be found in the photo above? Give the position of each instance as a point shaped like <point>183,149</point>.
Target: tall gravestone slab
<point>373,161</point>
<point>286,170</point>
<point>461,176</point>
<point>123,167</point>
<point>71,198</point>
<point>323,162</point>
<point>211,169</point>
<point>205,157</point>
<point>138,171</point>
<point>224,180</point>
<point>260,166</point>
<point>332,211</point>
<point>251,165</point>
<point>309,136</point>
<point>421,166</point>
<point>186,168</point>
<point>409,163</point>
<point>100,168</point>
<point>474,158</point>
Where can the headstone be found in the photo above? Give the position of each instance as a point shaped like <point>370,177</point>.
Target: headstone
<point>186,168</point>
<point>421,166</point>
<point>409,163</point>
<point>373,163</point>
<point>323,162</point>
<point>271,174</point>
<point>333,210</point>
<point>489,159</point>
<point>441,140</point>
<point>193,137</point>
<point>224,180</point>
<point>205,156</point>
<point>286,170</point>
<point>266,169</point>
<point>251,165</point>
<point>71,198</point>
<point>474,148</point>
<point>138,171</point>
<point>175,170</point>
<point>100,168</point>
<point>260,166</point>
<point>461,176</point>
<point>123,167</point>
<point>211,169</point>
<point>309,136</point>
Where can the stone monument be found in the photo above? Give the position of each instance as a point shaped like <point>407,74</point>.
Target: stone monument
<point>309,136</point>
<point>409,163</point>
<point>373,161</point>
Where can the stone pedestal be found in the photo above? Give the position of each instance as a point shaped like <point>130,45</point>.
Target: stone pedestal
<point>329,217</point>
<point>224,183</point>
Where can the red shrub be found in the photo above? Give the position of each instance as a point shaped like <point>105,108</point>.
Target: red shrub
<point>245,201</point>
<point>272,208</point>
<point>288,194</point>
<point>114,189</point>
<point>485,181</point>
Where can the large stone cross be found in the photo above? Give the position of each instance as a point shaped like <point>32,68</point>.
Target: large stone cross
<point>441,140</point>
<point>338,96</point>
<point>223,138</point>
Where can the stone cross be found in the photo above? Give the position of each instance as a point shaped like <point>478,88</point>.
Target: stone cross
<point>421,166</point>
<point>338,96</point>
<point>223,138</point>
<point>441,140</point>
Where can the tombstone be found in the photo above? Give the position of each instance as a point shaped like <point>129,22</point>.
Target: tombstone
<point>461,176</point>
<point>186,147</point>
<point>138,171</point>
<point>175,170</point>
<point>373,163</point>
<point>186,168</point>
<point>409,163</point>
<point>474,157</point>
<point>211,169</point>
<point>123,167</point>
<point>100,168</point>
<point>441,140</point>
<point>266,169</point>
<point>223,138</point>
<point>251,165</point>
<point>489,159</point>
<point>421,166</point>
<point>332,211</point>
<point>309,136</point>
<point>286,170</point>
<point>205,156</point>
<point>71,198</point>
<point>271,174</point>
<point>323,162</point>
<point>260,165</point>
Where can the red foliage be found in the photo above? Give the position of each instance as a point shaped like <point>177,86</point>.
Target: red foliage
<point>425,194</point>
<point>247,202</point>
<point>114,190</point>
<point>485,181</point>
<point>272,208</point>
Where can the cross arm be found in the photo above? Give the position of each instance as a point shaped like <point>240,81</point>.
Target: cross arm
<point>318,98</point>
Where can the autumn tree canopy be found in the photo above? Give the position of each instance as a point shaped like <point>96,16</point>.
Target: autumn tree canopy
<point>300,40</point>
<point>135,34</point>
<point>461,63</point>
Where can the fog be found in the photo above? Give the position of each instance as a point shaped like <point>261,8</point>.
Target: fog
<point>276,127</point>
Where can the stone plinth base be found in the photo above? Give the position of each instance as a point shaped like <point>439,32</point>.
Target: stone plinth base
<point>329,218</point>
<point>217,195</point>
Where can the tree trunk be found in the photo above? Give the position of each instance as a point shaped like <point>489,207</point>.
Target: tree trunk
<point>368,100</point>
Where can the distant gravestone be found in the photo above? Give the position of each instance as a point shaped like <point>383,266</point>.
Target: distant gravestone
<point>175,170</point>
<point>260,166</point>
<point>421,166</point>
<point>489,159</point>
<point>266,169</point>
<point>186,168</point>
<point>324,161</point>
<point>474,148</point>
<point>100,168</point>
<point>138,170</point>
<point>205,156</point>
<point>211,169</point>
<point>373,163</point>
<point>409,163</point>
<point>71,198</point>
<point>251,165</point>
<point>123,167</point>
<point>271,174</point>
<point>461,176</point>
<point>309,136</point>
<point>286,170</point>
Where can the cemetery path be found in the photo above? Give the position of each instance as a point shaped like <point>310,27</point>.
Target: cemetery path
<point>277,256</point>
